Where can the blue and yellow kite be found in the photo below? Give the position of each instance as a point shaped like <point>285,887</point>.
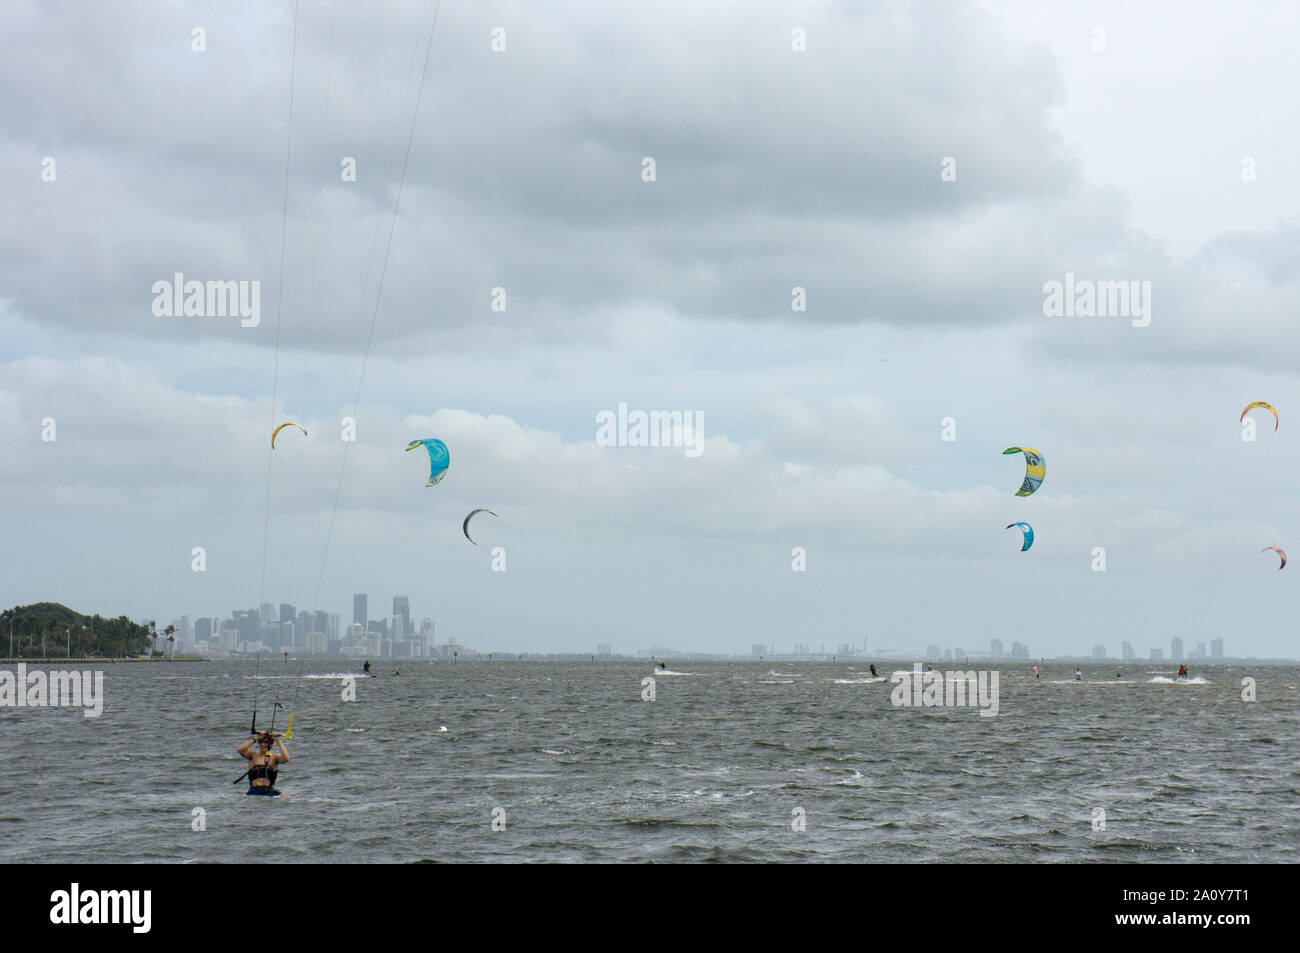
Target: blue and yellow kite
<point>439,458</point>
<point>1035,469</point>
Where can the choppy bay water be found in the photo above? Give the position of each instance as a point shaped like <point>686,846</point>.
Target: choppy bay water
<point>714,769</point>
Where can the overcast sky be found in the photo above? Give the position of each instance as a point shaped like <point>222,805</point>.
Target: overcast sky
<point>1167,156</point>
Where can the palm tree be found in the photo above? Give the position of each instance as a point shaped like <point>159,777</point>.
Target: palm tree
<point>171,638</point>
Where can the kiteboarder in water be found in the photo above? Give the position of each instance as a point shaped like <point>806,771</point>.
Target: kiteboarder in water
<point>263,763</point>
<point>366,668</point>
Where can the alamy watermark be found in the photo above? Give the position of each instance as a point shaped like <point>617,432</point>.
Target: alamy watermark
<point>74,906</point>
<point>1085,298</point>
<point>658,428</point>
<point>918,689</point>
<point>54,689</point>
<point>179,298</point>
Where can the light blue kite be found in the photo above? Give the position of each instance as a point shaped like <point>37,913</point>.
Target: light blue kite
<point>439,458</point>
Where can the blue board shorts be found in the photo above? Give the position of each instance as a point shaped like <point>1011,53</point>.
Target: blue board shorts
<point>265,792</point>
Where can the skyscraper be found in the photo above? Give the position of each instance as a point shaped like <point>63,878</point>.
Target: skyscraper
<point>402,607</point>
<point>359,609</point>
<point>246,622</point>
<point>1128,653</point>
<point>1176,649</point>
<point>1216,649</point>
<point>285,635</point>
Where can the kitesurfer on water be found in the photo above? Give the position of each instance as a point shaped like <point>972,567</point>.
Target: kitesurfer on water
<point>366,668</point>
<point>1034,669</point>
<point>1078,674</point>
<point>1182,671</point>
<point>263,763</point>
<point>872,667</point>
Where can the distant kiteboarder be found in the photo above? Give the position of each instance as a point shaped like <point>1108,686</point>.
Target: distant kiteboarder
<point>366,668</point>
<point>1078,674</point>
<point>1034,669</point>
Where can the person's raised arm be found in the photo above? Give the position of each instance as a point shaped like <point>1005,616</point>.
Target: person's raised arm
<point>243,749</point>
<point>284,754</point>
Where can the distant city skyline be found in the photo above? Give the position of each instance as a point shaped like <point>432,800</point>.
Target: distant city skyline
<point>378,639</point>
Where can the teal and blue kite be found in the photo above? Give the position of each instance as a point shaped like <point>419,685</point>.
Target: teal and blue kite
<point>1029,534</point>
<point>439,458</point>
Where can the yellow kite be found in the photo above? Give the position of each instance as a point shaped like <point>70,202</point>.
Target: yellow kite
<point>277,430</point>
<point>1260,403</point>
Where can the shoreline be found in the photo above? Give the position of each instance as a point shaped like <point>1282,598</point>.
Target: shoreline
<point>97,661</point>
